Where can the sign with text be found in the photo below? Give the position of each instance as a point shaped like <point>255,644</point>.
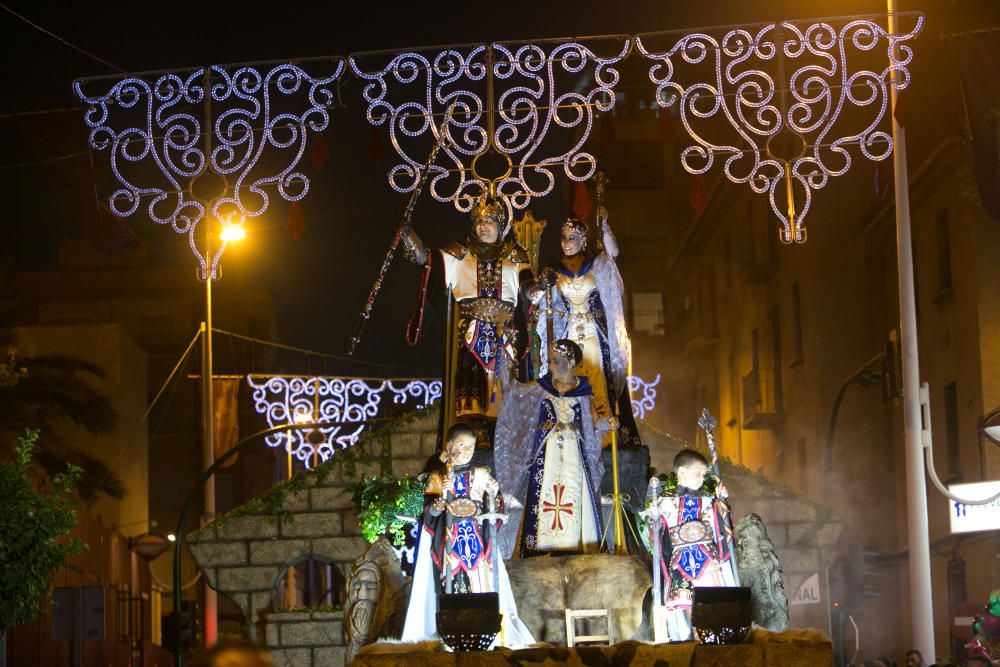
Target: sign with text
<point>808,592</point>
<point>973,518</point>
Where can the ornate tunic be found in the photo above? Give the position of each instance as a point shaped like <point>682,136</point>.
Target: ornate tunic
<point>548,454</point>
<point>470,559</point>
<point>484,281</point>
<point>698,551</point>
<point>587,309</point>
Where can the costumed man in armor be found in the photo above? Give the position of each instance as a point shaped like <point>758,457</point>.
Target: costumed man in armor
<point>484,274</point>
<point>547,435</point>
<point>454,549</point>
<point>585,305</point>
<point>696,541</point>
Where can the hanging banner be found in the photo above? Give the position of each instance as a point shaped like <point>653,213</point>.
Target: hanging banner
<point>225,408</point>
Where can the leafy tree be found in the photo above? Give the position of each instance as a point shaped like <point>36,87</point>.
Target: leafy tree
<point>34,529</point>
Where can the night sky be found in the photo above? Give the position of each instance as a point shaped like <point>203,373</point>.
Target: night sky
<point>319,281</point>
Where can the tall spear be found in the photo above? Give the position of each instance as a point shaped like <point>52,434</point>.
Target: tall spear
<point>401,229</point>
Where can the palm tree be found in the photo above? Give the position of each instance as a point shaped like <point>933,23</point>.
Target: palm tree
<point>39,392</point>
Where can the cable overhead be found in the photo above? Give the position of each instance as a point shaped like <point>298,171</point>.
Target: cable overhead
<point>60,39</point>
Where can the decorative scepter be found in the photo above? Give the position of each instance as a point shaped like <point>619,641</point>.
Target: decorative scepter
<point>601,183</point>
<point>401,230</point>
<point>707,422</point>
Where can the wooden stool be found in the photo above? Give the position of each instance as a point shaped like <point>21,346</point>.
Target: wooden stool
<point>572,639</point>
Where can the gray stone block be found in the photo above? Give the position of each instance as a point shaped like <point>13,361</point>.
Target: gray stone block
<point>277,551</point>
<point>317,524</point>
<point>786,511</point>
<point>297,501</point>
<point>411,467</point>
<point>340,548</point>
<point>429,443</point>
<point>334,656</point>
<point>244,579</point>
<point>259,602</point>
<point>406,445</point>
<point>351,524</point>
<point>210,554</point>
<point>272,635</point>
<point>331,498</point>
<point>246,527</point>
<point>829,534</point>
<point>801,535</point>
<point>798,560</point>
<point>778,533</point>
<point>293,657</point>
<point>311,633</point>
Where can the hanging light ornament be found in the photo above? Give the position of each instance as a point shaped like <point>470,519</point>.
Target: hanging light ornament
<point>164,138</point>
<point>508,99</point>
<point>767,99</point>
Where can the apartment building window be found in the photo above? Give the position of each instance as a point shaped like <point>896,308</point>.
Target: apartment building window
<point>943,229</point>
<point>647,313</point>
<point>951,430</point>
<point>796,324</point>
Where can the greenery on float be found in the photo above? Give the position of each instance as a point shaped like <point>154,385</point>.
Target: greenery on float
<point>34,533</point>
<point>386,506</point>
<point>270,504</point>
<point>314,609</point>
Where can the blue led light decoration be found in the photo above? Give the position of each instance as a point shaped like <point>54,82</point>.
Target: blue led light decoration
<point>647,401</point>
<point>311,399</point>
<point>291,399</point>
<point>153,128</point>
<point>782,104</point>
<point>509,99</point>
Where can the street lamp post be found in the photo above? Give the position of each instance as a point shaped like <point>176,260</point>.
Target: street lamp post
<point>230,231</point>
<point>921,612</point>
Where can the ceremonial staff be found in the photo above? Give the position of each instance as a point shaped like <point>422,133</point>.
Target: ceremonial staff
<point>401,230</point>
<point>707,422</point>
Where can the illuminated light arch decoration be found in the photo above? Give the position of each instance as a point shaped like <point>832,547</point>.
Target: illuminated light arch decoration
<point>311,399</point>
<point>646,402</point>
<point>737,89</point>
<point>152,127</point>
<point>508,98</point>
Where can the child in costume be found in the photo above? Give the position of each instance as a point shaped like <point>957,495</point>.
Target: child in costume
<point>548,454</point>
<point>454,547</point>
<point>696,541</point>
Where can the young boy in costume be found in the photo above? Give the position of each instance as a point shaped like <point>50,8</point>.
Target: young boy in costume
<point>696,538</point>
<point>455,542</point>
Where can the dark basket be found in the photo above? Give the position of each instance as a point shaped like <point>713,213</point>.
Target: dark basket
<point>468,629</point>
<point>721,615</point>
<point>469,622</point>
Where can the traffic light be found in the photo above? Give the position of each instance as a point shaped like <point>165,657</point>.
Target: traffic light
<point>180,628</point>
<point>853,578</point>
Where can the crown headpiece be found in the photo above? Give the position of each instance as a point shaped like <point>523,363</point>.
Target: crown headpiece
<point>489,208</point>
<point>575,224</point>
<point>568,349</point>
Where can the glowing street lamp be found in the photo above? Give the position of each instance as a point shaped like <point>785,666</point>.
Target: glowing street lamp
<point>232,230</point>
